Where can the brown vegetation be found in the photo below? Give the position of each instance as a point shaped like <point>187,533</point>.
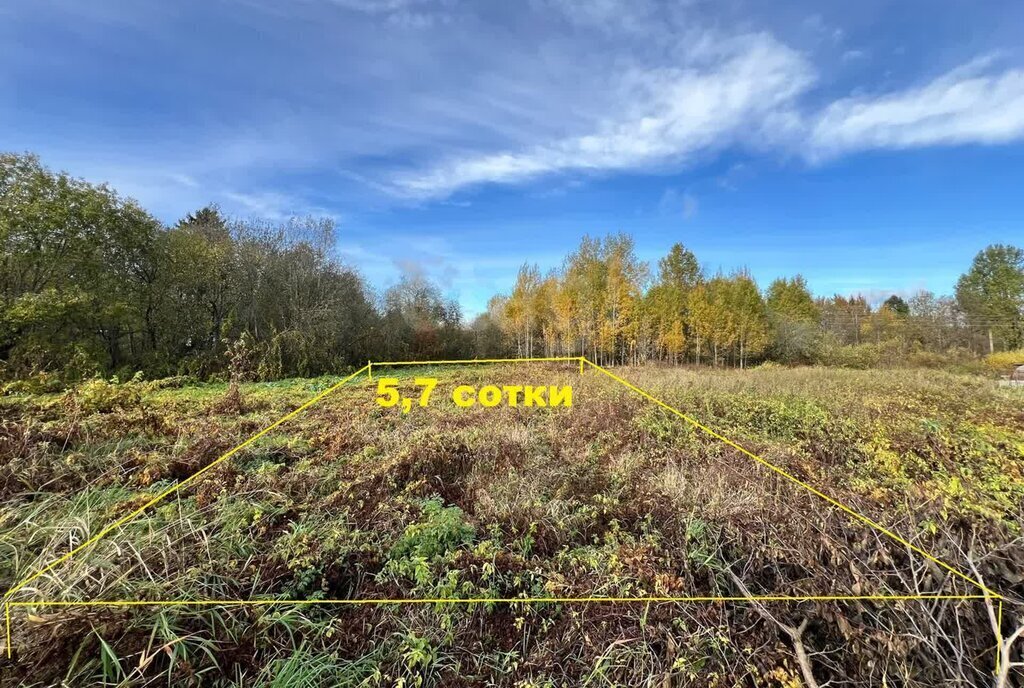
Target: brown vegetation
<point>612,497</point>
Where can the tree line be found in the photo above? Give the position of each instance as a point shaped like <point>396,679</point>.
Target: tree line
<point>90,283</point>
<point>606,304</point>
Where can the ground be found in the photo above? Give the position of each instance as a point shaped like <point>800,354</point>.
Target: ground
<point>612,497</point>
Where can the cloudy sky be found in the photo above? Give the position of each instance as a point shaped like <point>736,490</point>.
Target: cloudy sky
<point>872,146</point>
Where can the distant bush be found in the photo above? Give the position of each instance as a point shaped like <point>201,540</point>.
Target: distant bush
<point>893,353</point>
<point>1004,361</point>
<point>174,382</point>
<point>860,356</point>
<point>42,382</point>
<point>956,359</point>
<point>105,396</point>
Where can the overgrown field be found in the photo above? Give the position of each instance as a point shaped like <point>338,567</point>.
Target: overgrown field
<point>613,497</point>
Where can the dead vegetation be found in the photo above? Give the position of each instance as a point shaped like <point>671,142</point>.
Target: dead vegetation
<point>612,497</point>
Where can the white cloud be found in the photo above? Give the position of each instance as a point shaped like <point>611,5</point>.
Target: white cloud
<point>746,92</point>
<point>379,6</point>
<point>816,25</point>
<point>363,110</point>
<point>183,180</point>
<point>725,93</point>
<point>407,14</point>
<point>609,16</point>
<point>965,105</point>
<point>270,205</point>
<point>731,178</point>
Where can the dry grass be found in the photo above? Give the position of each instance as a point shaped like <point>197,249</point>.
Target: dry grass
<point>611,497</point>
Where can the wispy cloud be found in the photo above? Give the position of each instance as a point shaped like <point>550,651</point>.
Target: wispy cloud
<point>751,95</point>
<point>608,16</point>
<point>970,104</point>
<point>668,115</point>
<point>731,178</point>
<point>272,205</point>
<point>678,203</point>
<point>410,14</point>
<point>381,115</point>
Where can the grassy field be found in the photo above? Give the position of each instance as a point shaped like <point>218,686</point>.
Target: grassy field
<point>613,497</point>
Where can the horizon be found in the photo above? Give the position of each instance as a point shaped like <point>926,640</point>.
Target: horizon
<point>464,140</point>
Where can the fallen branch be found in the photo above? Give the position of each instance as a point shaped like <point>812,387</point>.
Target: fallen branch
<point>795,634</point>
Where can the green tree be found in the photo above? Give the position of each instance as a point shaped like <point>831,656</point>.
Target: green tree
<point>679,269</point>
<point>488,338</point>
<point>794,320</point>
<point>77,263</point>
<point>991,293</point>
<point>433,322</point>
<point>897,305</point>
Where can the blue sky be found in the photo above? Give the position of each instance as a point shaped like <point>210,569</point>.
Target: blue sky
<point>873,147</point>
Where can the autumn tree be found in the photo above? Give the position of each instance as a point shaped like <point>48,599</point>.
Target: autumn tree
<point>843,318</point>
<point>722,332</point>
<point>625,276</point>
<point>745,316</point>
<point>678,274</point>
<point>523,308</point>
<point>565,311</point>
<point>90,283</point>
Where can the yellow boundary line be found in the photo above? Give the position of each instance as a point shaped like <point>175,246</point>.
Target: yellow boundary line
<point>8,603</point>
<point>491,600</point>
<point>463,361</point>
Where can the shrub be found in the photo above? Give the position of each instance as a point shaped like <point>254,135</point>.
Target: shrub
<point>442,529</point>
<point>103,396</point>
<point>241,356</point>
<point>861,356</point>
<point>1004,361</point>
<point>174,382</point>
<point>955,358</point>
<point>41,382</point>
